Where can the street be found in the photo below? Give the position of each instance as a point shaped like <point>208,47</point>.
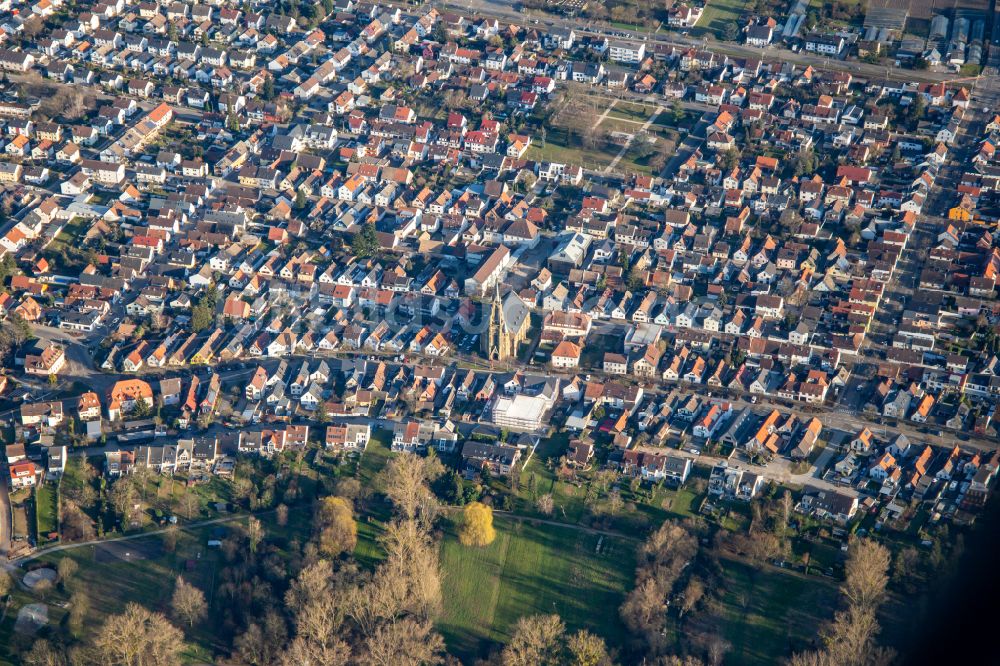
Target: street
<point>504,10</point>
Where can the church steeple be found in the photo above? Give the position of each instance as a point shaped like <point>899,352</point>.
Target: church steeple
<point>498,338</point>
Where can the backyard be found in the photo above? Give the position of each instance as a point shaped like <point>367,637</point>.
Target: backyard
<point>717,14</point>
<point>46,512</point>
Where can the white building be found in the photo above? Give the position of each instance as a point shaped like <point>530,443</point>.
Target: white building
<point>620,51</point>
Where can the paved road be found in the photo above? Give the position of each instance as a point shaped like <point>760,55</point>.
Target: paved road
<point>503,10</point>
<point>182,113</point>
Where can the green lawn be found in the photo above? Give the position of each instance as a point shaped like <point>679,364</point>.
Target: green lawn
<point>375,456</point>
<point>531,569</point>
<point>766,614</point>
<point>111,583</point>
<point>46,513</point>
<point>632,111</point>
<point>575,155</point>
<point>717,14</point>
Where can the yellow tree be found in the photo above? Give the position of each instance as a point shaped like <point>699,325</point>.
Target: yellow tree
<point>336,531</point>
<point>477,525</point>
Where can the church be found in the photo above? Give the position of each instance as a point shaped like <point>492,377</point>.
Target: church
<point>508,325</point>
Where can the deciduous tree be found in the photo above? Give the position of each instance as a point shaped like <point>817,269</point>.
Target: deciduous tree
<point>866,573</point>
<point>188,602</point>
<point>334,526</point>
<point>137,637</point>
<point>477,525</point>
<point>545,504</point>
<point>404,642</point>
<point>536,640</point>
<point>586,649</point>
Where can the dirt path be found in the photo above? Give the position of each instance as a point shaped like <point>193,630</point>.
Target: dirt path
<point>628,144</point>
<point>600,118</point>
<point>13,564</point>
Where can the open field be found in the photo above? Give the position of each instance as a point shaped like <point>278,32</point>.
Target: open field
<point>609,123</point>
<point>556,150</point>
<point>530,569</point>
<point>717,14</point>
<point>765,613</point>
<point>111,579</point>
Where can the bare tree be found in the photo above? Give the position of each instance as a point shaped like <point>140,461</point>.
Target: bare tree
<point>188,602</point>
<point>5,583</point>
<point>260,644</point>
<point>67,568</point>
<point>586,649</point>
<point>137,637</point>
<point>189,503</point>
<point>545,504</point>
<point>717,649</point>
<point>44,653</point>
<point>348,488</point>
<point>850,639</point>
<point>170,539</point>
<point>124,498</point>
<point>643,611</point>
<point>615,501</point>
<point>866,573</point>
<point>404,642</point>
<point>412,564</point>
<point>693,593</point>
<point>79,605</point>
<point>405,482</point>
<point>537,639</point>
<point>281,515</point>
<point>76,525</point>
<point>318,607</point>
<point>255,533</point>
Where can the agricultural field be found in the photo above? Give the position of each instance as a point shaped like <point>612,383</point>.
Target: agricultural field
<point>532,568</point>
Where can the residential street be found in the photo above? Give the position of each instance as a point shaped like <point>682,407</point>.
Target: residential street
<point>504,10</point>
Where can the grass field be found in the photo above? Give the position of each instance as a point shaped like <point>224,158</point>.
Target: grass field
<point>531,569</point>
<point>375,456</point>
<point>554,151</point>
<point>766,614</point>
<point>716,15</point>
<point>46,514</point>
<point>111,582</point>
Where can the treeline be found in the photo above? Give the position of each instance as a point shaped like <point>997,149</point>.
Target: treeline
<point>284,600</point>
